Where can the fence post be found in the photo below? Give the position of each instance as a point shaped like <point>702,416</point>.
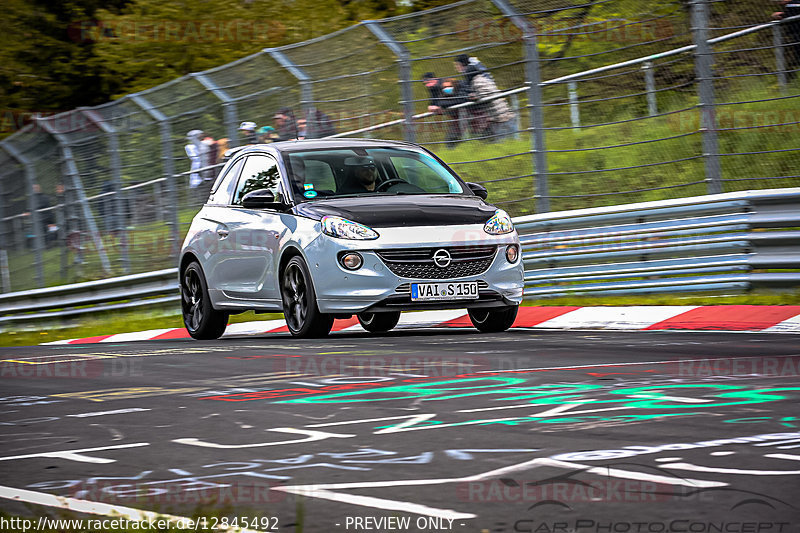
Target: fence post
<point>169,166</point>
<point>650,87</point>
<point>77,184</point>
<point>5,277</point>
<point>116,177</point>
<point>705,89</point>
<point>38,235</point>
<point>535,103</point>
<point>306,88</point>
<point>407,90</point>
<point>574,109</point>
<point>230,116</point>
<point>780,55</point>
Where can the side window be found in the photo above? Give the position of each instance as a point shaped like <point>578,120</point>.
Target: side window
<point>220,192</point>
<point>259,172</point>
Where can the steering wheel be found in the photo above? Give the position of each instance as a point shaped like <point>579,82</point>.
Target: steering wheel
<point>388,183</point>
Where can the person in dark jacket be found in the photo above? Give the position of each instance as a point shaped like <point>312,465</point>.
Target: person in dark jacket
<point>444,94</point>
<point>480,85</point>
<point>791,35</point>
<point>285,124</point>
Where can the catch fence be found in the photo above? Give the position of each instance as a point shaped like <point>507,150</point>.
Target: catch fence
<point>612,102</point>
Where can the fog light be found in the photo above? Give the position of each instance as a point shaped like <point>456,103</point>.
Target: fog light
<point>351,261</point>
<point>512,253</point>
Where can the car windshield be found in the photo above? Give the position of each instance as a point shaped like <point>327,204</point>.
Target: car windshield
<point>321,174</point>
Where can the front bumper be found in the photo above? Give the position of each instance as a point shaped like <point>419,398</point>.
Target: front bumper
<point>374,287</point>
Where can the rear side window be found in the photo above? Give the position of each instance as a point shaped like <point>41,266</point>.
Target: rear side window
<point>225,182</point>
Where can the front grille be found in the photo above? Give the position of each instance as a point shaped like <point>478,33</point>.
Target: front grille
<point>417,263</point>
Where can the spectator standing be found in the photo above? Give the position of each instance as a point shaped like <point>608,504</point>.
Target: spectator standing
<point>247,130</point>
<point>444,94</point>
<point>47,218</point>
<point>791,36</point>
<point>196,152</point>
<point>318,125</point>
<point>479,86</point>
<point>285,124</point>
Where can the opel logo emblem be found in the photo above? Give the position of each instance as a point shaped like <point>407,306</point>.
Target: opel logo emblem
<point>441,258</point>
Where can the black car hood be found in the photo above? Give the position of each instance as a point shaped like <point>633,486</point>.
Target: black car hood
<point>381,211</point>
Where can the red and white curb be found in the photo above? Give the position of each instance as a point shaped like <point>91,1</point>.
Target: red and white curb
<point>765,318</point>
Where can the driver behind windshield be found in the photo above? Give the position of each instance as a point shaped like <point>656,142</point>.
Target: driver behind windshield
<point>361,175</point>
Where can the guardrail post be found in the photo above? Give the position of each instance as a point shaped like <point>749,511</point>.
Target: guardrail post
<point>306,88</point>
<point>517,116</point>
<point>5,277</point>
<point>230,115</point>
<point>650,88</point>
<point>169,166</point>
<point>77,184</point>
<point>38,230</point>
<point>116,177</point>
<point>780,55</point>
<point>404,58</point>
<point>535,102</point>
<point>574,109</point>
<point>705,88</point>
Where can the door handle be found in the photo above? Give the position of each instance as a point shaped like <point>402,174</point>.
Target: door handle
<point>222,233</point>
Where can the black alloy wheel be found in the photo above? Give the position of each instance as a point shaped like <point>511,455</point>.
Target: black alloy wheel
<point>202,321</point>
<point>379,322</point>
<point>300,302</point>
<point>493,320</point>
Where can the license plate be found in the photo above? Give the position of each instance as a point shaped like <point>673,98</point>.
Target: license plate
<point>462,290</point>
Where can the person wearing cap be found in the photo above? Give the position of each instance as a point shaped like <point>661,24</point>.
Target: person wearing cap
<point>248,132</point>
<point>266,134</point>
<point>480,85</point>
<point>362,175</point>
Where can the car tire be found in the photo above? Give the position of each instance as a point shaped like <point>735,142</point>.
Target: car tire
<point>202,321</point>
<point>300,309</point>
<point>379,322</point>
<point>493,320</point>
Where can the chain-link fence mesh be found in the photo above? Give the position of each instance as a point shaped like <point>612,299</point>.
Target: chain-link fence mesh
<point>551,104</point>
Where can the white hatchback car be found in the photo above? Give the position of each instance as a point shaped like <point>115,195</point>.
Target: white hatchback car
<point>327,229</point>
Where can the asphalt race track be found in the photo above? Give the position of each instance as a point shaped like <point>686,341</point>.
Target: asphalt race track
<point>424,430</point>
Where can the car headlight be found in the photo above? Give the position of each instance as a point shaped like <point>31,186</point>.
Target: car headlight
<point>499,224</point>
<point>347,229</point>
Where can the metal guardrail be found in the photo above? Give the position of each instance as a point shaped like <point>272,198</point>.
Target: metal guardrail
<point>728,242</point>
<point>722,242</point>
<point>89,297</point>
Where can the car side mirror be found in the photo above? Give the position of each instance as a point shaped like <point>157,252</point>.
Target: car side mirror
<point>262,199</point>
<point>479,190</point>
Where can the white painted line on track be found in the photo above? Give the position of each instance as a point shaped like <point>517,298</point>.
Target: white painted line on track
<point>325,491</point>
<point>77,455</point>
<point>115,412</point>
